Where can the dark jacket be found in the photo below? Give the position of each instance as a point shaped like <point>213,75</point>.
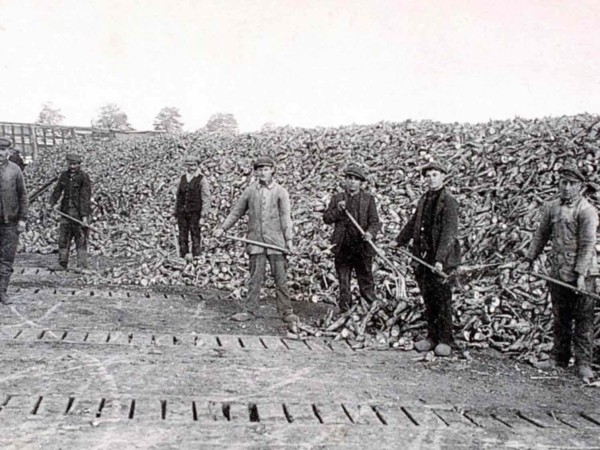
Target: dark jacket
<point>193,196</point>
<point>446,248</point>
<point>367,219</point>
<point>16,158</point>
<point>76,187</point>
<point>15,205</point>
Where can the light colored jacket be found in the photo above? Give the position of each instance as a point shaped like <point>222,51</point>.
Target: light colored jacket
<point>15,204</point>
<point>269,218</point>
<point>572,229</point>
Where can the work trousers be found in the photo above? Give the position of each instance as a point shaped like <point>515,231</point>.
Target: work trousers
<point>278,265</point>
<point>573,323</point>
<point>189,223</point>
<point>9,239</point>
<point>437,296</point>
<point>348,260</point>
<point>68,231</point>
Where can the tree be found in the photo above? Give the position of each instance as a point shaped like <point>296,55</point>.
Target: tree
<point>269,126</point>
<point>112,118</point>
<point>224,123</point>
<point>49,115</point>
<point>168,120</point>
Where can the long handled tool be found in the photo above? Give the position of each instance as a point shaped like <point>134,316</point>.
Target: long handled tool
<point>95,230</point>
<point>423,263</point>
<point>380,253</point>
<point>42,189</point>
<point>563,284</point>
<point>260,244</point>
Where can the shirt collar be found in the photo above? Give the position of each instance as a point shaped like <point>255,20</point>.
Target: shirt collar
<point>268,186</point>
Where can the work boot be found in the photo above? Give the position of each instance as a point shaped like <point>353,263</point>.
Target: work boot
<point>58,268</point>
<point>424,345</point>
<point>292,320</point>
<point>442,350</point>
<point>82,271</point>
<point>585,373</point>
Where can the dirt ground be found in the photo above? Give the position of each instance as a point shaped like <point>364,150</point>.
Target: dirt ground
<point>112,366</point>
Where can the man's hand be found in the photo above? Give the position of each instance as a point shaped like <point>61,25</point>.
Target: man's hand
<point>439,266</point>
<point>341,205</point>
<point>21,226</point>
<point>85,220</point>
<point>581,283</point>
<point>368,236</point>
<point>218,232</point>
<point>290,246</point>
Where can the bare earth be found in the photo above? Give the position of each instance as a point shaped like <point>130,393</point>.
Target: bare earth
<point>107,367</point>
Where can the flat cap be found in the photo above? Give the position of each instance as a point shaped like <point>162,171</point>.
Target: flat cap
<point>264,161</point>
<point>433,165</point>
<point>5,142</point>
<point>571,172</point>
<point>190,159</point>
<point>74,157</point>
<point>357,171</point>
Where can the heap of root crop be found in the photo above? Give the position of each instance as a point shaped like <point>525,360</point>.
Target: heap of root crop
<point>501,174</point>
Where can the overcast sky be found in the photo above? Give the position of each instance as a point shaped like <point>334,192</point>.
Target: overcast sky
<point>303,63</point>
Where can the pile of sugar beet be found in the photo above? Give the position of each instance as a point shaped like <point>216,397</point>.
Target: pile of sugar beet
<point>501,172</point>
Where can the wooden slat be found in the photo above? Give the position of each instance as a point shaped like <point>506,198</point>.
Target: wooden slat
<point>252,343</point>
<point>425,417</point>
<point>273,343</point>
<point>394,416</point>
<point>302,413</point>
<point>271,413</point>
<point>362,414</point>
<point>332,414</point>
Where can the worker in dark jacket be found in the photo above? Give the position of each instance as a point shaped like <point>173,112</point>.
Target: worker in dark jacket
<point>352,251</point>
<point>571,223</point>
<point>433,230</point>
<point>13,215</point>
<point>16,158</point>
<point>76,189</point>
<point>193,200</point>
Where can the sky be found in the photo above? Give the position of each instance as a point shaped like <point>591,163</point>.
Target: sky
<point>300,62</point>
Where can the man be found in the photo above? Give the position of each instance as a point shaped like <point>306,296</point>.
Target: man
<point>433,229</point>
<point>76,189</point>
<point>193,200</point>
<point>16,158</point>
<point>352,251</point>
<point>570,222</point>
<point>13,215</point>
<point>267,204</point>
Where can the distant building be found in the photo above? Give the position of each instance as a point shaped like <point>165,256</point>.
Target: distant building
<point>32,138</point>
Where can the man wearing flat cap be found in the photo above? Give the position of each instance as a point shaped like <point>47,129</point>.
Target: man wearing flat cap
<point>352,251</point>
<point>433,231</point>
<point>570,222</point>
<point>13,215</point>
<point>192,202</point>
<point>267,205</point>
<point>75,187</point>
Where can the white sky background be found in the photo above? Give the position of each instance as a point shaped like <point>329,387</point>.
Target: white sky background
<point>304,63</point>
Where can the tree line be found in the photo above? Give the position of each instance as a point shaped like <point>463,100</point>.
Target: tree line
<point>112,117</point>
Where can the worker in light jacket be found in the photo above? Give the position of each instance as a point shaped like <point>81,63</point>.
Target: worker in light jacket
<point>192,202</point>
<point>14,208</point>
<point>352,250</point>
<point>267,204</point>
<point>433,231</point>
<point>570,222</point>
